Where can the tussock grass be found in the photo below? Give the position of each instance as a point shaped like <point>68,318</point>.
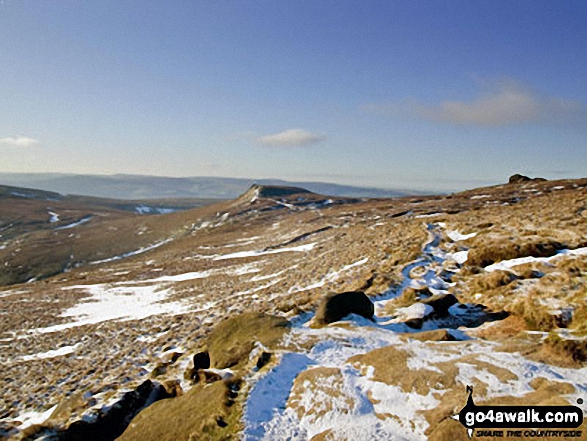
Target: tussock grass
<point>537,318</point>
<point>570,349</point>
<point>492,251</point>
<point>210,412</point>
<point>232,340</point>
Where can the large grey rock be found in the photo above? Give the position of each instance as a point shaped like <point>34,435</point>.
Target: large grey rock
<point>335,307</point>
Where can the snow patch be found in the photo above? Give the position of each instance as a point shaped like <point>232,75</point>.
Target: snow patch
<point>459,257</point>
<point>243,254</point>
<point>116,303</point>
<point>507,264</point>
<point>75,224</point>
<point>32,418</point>
<point>64,350</point>
<point>415,311</point>
<point>132,253</point>
<point>456,236</point>
<point>145,209</point>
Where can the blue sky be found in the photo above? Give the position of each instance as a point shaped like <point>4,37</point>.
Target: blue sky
<point>396,94</point>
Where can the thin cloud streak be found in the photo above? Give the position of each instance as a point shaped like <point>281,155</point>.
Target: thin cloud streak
<point>19,141</point>
<point>294,137</point>
<point>509,103</point>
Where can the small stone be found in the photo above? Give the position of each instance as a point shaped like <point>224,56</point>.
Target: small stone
<point>263,359</point>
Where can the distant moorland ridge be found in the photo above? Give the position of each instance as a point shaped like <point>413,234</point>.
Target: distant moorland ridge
<point>123,186</point>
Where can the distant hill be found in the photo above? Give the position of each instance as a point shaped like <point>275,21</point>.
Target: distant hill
<point>155,187</point>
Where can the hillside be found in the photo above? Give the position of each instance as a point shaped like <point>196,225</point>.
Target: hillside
<point>40,230</point>
<point>211,323</point>
<point>152,187</point>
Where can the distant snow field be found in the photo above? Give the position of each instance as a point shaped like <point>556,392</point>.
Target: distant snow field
<point>116,303</point>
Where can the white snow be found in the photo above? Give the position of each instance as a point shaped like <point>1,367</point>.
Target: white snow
<point>166,210</point>
<point>22,195</point>
<point>248,239</point>
<point>459,257</point>
<point>357,263</point>
<point>31,418</point>
<point>193,275</point>
<point>255,195</point>
<point>415,311</point>
<point>64,350</point>
<point>75,224</point>
<point>132,253</point>
<point>183,277</point>
<point>137,299</point>
<point>456,236</point>
<point>346,404</point>
<point>480,196</point>
<point>145,209</point>
<point>271,276</point>
<point>12,293</point>
<point>244,269</point>
<point>242,254</point>
<point>285,204</point>
<point>54,217</point>
<point>422,216</point>
<point>108,302</point>
<point>349,411</point>
<point>330,277</point>
<point>507,264</point>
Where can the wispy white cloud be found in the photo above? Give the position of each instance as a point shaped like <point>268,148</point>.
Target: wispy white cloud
<point>19,141</point>
<point>294,137</point>
<point>507,102</point>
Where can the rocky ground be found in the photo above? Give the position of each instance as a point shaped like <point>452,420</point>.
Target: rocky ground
<point>484,288</point>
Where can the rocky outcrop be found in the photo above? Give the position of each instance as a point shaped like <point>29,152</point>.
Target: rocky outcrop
<point>273,191</point>
<point>335,307</point>
<point>111,423</point>
<point>232,340</point>
<point>518,179</point>
<point>206,412</point>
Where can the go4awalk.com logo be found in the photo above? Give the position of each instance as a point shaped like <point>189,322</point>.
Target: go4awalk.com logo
<point>520,421</point>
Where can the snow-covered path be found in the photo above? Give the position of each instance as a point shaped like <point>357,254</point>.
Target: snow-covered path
<point>315,389</point>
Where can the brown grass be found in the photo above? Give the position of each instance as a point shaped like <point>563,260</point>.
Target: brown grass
<point>232,340</point>
<point>573,350</point>
<point>207,412</point>
<point>492,251</point>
